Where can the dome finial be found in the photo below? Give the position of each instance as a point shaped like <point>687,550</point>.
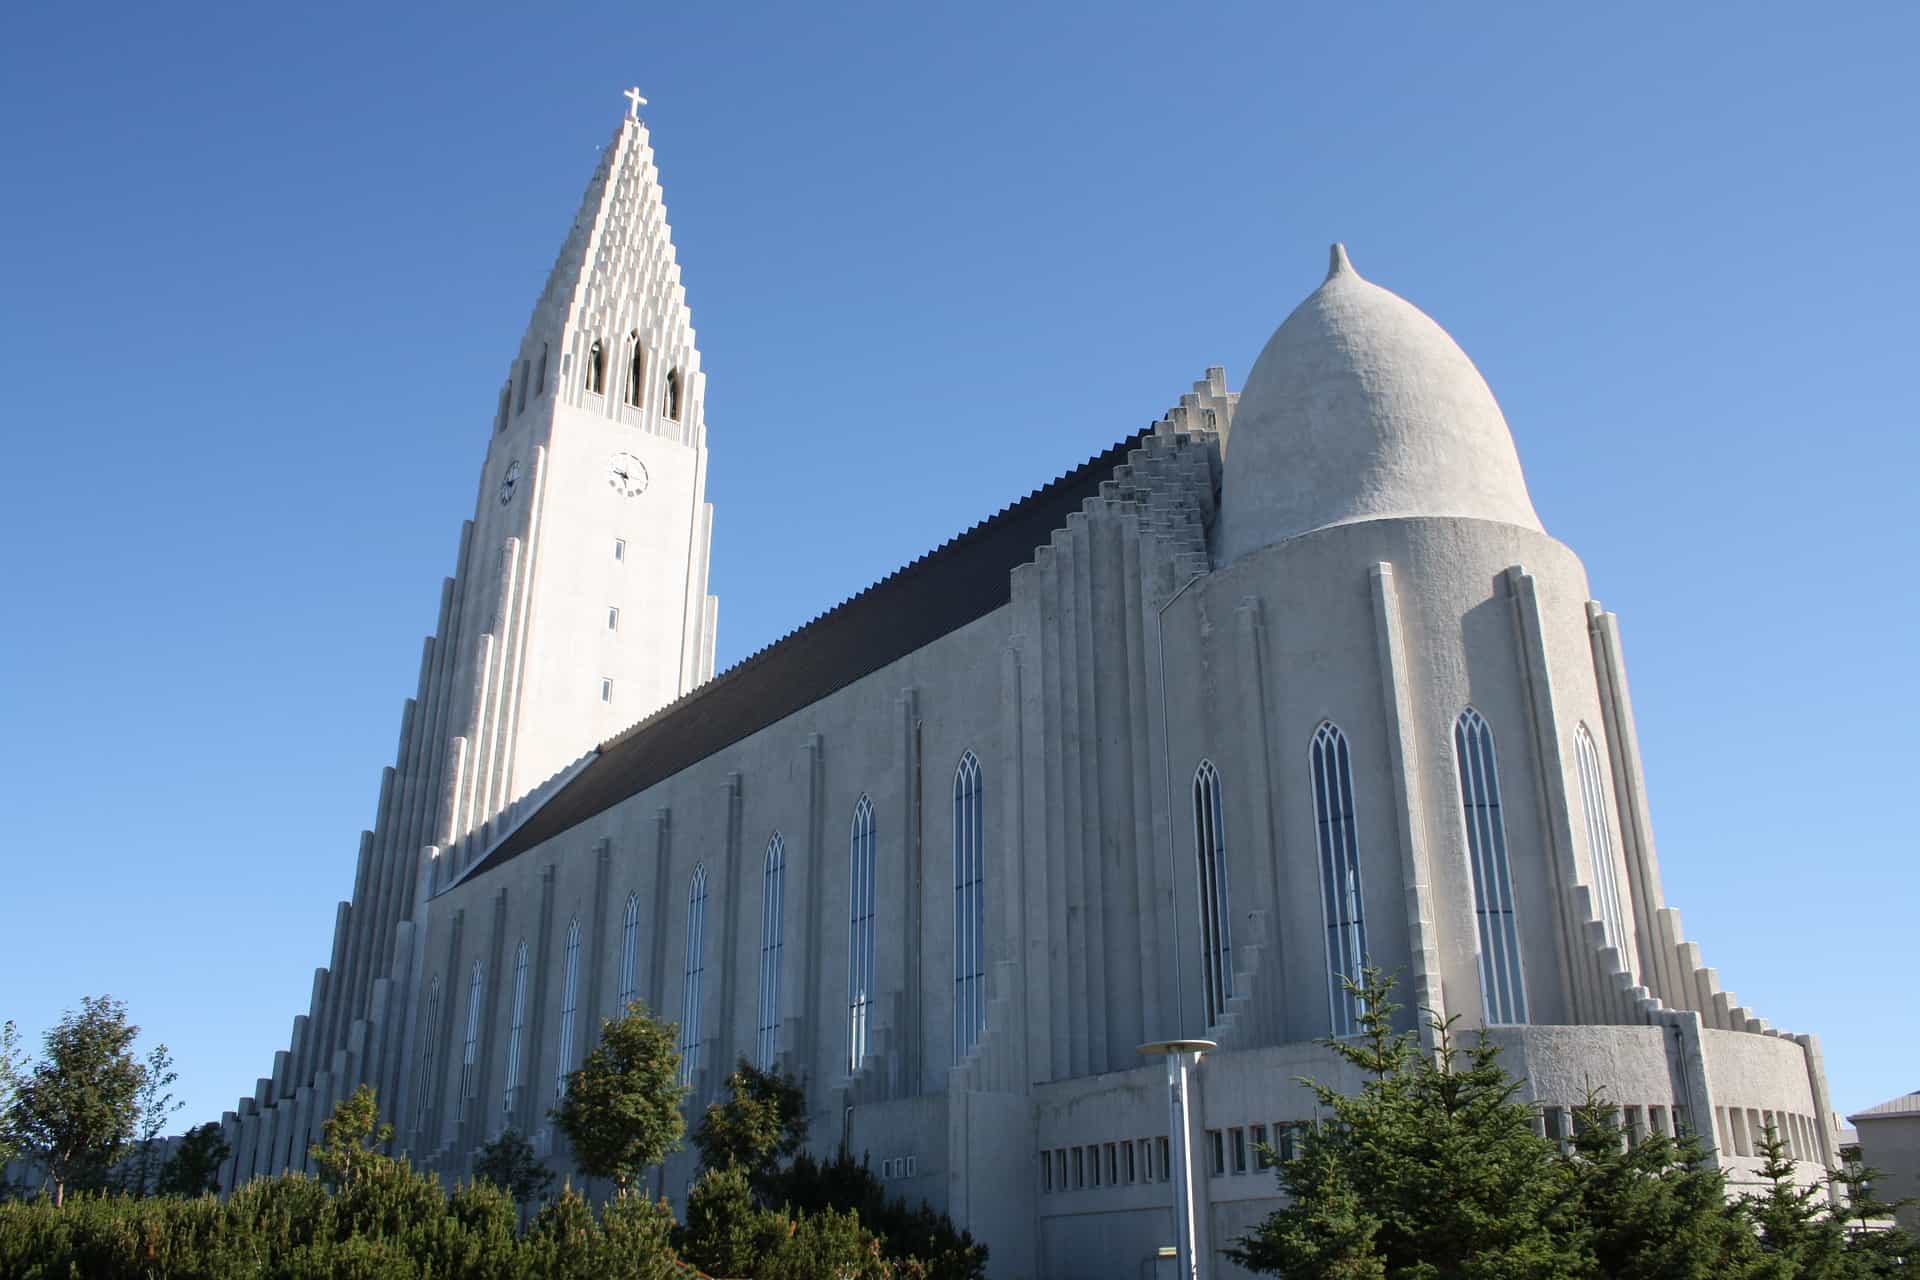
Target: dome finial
<point>1337,261</point>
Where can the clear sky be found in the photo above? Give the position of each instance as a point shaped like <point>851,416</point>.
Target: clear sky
<point>262,269</point>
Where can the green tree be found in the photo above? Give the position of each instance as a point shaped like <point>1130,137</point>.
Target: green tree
<point>1431,1172</point>
<point>762,1122</point>
<point>1807,1232</point>
<point>508,1162</point>
<point>194,1167</point>
<point>621,1111</point>
<point>1655,1209</point>
<point>345,1152</point>
<point>157,1106</point>
<point>12,1071</point>
<point>79,1106</point>
<point>1876,1247</point>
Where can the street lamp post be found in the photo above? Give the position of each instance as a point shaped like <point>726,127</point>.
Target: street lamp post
<point>1181,1055</point>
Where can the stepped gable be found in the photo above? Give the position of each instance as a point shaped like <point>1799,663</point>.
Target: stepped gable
<point>942,591</point>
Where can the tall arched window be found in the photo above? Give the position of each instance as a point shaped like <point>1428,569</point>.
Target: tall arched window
<point>540,381</point>
<point>1339,874</point>
<point>1503,998</point>
<point>969,907</point>
<point>569,1003</point>
<point>519,1024</point>
<point>860,942</point>
<point>629,954</point>
<point>430,1037</point>
<point>597,368</point>
<point>695,971</point>
<point>673,394</point>
<point>470,1055</point>
<point>1210,857</point>
<point>1606,874</point>
<point>636,369</point>
<point>773,900</point>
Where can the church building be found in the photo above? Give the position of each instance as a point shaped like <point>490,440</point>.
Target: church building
<point>1291,680</point>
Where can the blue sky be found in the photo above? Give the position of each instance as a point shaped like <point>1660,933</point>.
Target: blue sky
<point>262,271</point>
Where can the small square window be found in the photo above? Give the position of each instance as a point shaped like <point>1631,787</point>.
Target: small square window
<point>913,1165</point>
<point>1239,1137</point>
<point>619,548</point>
<point>613,618</point>
<point>606,691</point>
<point>1217,1142</point>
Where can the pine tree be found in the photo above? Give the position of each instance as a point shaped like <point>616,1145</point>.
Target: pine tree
<point>345,1152</point>
<point>1431,1172</point>
<point>1655,1209</point>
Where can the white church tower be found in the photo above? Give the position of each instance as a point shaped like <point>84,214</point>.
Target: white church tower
<point>578,605</point>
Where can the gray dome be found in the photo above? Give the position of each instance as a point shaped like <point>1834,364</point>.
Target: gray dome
<point>1361,407</point>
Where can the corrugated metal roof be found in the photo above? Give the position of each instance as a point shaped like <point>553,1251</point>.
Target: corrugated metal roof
<point>942,591</point>
<point>1907,1104</point>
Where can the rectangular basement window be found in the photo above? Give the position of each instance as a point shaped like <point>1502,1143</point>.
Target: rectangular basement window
<point>606,691</point>
<point>619,548</point>
<point>613,618</point>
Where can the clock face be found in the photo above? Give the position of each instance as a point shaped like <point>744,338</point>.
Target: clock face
<point>627,474</point>
<point>509,482</point>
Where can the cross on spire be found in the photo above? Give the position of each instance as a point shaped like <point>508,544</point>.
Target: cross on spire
<point>636,102</point>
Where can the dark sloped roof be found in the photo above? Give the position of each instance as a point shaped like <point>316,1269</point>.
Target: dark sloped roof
<point>942,591</point>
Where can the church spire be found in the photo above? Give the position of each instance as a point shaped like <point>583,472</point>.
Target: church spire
<point>611,331</point>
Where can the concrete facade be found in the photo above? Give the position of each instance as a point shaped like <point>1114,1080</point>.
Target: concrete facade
<point>1889,1141</point>
<point>1343,554</point>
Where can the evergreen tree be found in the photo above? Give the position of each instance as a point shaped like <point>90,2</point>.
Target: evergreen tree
<point>79,1106</point>
<point>1655,1209</point>
<point>508,1162</point>
<point>621,1111</point>
<point>1807,1232</point>
<point>194,1167</point>
<point>1431,1172</point>
<point>345,1152</point>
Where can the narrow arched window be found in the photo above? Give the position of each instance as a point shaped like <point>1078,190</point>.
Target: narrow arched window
<point>673,394</point>
<point>969,907</point>
<point>520,405</point>
<point>430,1037</point>
<point>470,1055</point>
<point>695,974</point>
<point>1503,998</point>
<point>1210,858</point>
<point>569,1003</point>
<point>629,954</point>
<point>519,1025</point>
<point>636,369</point>
<point>597,368</point>
<point>540,381</point>
<point>860,873</point>
<point>773,900</point>
<point>1606,873</point>
<point>1339,874</point>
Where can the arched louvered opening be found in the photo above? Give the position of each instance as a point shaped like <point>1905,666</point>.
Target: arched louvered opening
<point>673,394</point>
<point>597,368</point>
<point>1341,900</point>
<point>1503,996</point>
<point>517,1027</point>
<point>1594,790</point>
<point>773,901</point>
<point>569,1008</point>
<point>629,955</point>
<point>969,907</point>
<point>520,405</point>
<point>695,975</point>
<point>636,370</point>
<point>1210,859</point>
<point>470,1053</point>
<point>860,948</point>
<point>430,1039</point>
<point>540,378</point>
